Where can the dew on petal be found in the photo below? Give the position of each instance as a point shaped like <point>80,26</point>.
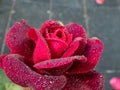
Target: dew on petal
<point>76,29</point>
<point>21,74</point>
<point>60,65</point>
<point>92,52</point>
<point>17,41</point>
<point>1,59</point>
<point>85,81</point>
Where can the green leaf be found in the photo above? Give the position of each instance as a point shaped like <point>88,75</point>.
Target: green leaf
<point>12,86</point>
<point>6,84</point>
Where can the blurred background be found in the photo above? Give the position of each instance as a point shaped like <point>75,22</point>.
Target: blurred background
<point>102,21</point>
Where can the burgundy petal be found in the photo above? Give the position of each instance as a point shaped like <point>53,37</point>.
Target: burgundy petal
<point>17,40</point>
<point>59,65</point>
<point>57,47</point>
<point>81,47</point>
<point>86,81</point>
<point>1,59</point>
<point>115,83</point>
<point>50,25</point>
<point>21,74</point>
<point>76,29</point>
<point>41,51</point>
<point>33,34</point>
<point>93,52</point>
<point>73,47</point>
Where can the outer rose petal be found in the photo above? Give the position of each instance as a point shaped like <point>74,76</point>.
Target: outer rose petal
<point>41,51</point>
<point>77,42</point>
<point>76,29</point>
<point>86,81</point>
<point>93,52</point>
<point>21,74</point>
<point>1,58</point>
<point>81,47</point>
<point>17,40</point>
<point>115,83</point>
<point>60,65</point>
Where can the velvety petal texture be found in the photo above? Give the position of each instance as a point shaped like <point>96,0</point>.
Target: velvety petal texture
<point>50,25</point>
<point>59,66</point>
<point>93,52</point>
<point>73,47</point>
<point>57,47</point>
<point>53,57</point>
<point>17,41</point>
<point>1,59</point>
<point>21,74</point>
<point>86,81</point>
<point>76,29</point>
<point>41,51</point>
<point>57,37</point>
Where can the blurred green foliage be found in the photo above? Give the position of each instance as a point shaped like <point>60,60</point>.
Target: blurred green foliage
<point>6,84</point>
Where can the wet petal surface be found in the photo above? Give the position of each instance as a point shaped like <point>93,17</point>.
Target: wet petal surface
<point>60,65</point>
<point>92,52</point>
<point>17,41</point>
<point>50,25</point>
<point>87,81</point>
<point>21,74</point>
<point>75,47</point>
<point>41,51</point>
<point>1,59</point>
<point>57,47</point>
<point>76,29</point>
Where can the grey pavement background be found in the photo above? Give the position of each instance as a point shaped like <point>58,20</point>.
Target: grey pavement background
<point>102,21</point>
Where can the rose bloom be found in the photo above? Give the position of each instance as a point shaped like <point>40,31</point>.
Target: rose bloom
<point>54,57</point>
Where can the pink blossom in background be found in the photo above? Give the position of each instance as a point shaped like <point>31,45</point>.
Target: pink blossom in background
<point>100,1</point>
<point>115,83</point>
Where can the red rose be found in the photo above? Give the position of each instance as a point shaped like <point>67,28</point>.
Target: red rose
<point>55,58</point>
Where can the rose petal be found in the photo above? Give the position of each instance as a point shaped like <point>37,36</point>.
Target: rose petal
<point>41,51</point>
<point>115,83</point>
<point>1,59</point>
<point>50,25</point>
<point>33,34</point>
<point>57,47</point>
<point>59,65</point>
<point>21,74</point>
<point>81,47</point>
<point>17,40</point>
<point>73,47</point>
<point>93,52</point>
<point>60,33</point>
<point>76,29</point>
<point>86,81</point>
